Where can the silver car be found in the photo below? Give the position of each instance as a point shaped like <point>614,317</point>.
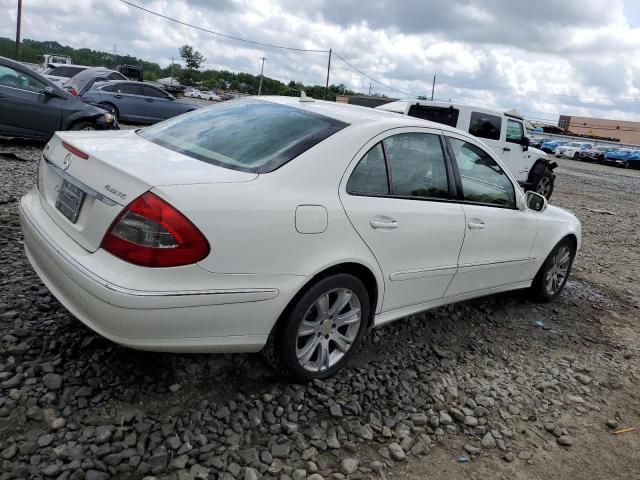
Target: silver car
<point>136,102</point>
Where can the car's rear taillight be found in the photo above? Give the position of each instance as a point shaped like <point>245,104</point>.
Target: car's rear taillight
<point>151,233</point>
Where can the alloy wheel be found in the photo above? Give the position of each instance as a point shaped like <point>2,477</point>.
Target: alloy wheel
<point>328,329</point>
<point>544,186</point>
<point>557,274</point>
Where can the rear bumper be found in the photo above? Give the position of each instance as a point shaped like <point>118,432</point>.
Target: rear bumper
<point>224,315</point>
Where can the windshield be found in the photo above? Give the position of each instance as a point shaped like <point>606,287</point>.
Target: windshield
<point>250,135</point>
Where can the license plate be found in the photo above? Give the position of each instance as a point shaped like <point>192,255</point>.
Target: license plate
<point>69,200</point>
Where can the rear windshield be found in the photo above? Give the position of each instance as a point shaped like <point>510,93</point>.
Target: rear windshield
<point>66,72</point>
<point>249,134</point>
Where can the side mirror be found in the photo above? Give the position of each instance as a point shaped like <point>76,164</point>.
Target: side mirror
<point>536,202</point>
<point>50,91</point>
<point>525,142</point>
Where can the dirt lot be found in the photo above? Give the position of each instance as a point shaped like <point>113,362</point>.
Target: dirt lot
<point>494,388</point>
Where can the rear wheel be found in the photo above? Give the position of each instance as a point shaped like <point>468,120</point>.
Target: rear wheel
<point>626,164</point>
<point>576,156</point>
<point>554,273</point>
<point>321,330</point>
<point>544,184</point>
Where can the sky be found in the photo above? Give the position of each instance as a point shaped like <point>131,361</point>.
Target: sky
<point>543,58</point>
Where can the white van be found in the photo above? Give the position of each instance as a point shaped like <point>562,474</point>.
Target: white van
<point>502,132</point>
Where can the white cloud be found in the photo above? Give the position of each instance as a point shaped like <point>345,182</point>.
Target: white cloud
<point>544,58</point>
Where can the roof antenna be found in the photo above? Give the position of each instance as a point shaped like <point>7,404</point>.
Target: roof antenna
<point>304,98</point>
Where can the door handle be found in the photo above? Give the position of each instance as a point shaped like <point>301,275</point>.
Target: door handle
<point>118,96</point>
<point>383,224</point>
<point>149,99</point>
<point>506,149</point>
<point>476,224</point>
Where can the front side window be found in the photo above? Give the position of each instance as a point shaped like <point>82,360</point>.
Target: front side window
<point>370,175</point>
<point>515,131</point>
<point>251,135</point>
<point>484,125</point>
<point>10,77</point>
<point>417,165</point>
<point>483,181</point>
<point>154,92</point>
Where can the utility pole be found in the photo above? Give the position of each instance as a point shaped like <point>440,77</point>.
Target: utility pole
<point>171,81</point>
<point>326,87</point>
<point>370,87</point>
<point>261,74</point>
<point>433,87</point>
<point>18,30</point>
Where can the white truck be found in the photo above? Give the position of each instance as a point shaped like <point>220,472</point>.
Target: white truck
<point>503,132</point>
<point>51,58</point>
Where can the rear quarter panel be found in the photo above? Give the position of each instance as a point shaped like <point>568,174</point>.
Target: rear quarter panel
<point>251,226</point>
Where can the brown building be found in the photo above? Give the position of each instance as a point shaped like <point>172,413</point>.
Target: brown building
<point>622,131</point>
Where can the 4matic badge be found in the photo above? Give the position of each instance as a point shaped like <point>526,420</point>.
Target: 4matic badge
<point>115,192</point>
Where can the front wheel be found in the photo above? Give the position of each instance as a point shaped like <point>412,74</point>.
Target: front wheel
<point>576,156</point>
<point>554,273</point>
<point>544,184</point>
<point>321,330</point>
<point>89,126</point>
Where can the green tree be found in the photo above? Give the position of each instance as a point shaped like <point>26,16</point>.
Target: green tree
<point>193,60</point>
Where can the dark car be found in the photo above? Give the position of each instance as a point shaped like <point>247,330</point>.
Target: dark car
<point>33,107</point>
<point>136,101</point>
<point>83,81</point>
<point>597,154</point>
<point>132,72</point>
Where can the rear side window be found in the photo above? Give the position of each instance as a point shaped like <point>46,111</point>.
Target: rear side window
<point>484,125</point>
<point>417,165</point>
<point>443,115</point>
<point>251,135</point>
<point>128,88</point>
<point>483,181</point>
<point>370,176</point>
<point>116,76</point>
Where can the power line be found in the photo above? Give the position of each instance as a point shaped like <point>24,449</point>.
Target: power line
<point>270,45</point>
<point>371,78</point>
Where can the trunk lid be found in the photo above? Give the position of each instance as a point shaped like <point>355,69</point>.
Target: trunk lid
<point>120,166</point>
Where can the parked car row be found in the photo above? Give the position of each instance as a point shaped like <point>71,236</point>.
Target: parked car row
<point>34,105</point>
<point>586,151</point>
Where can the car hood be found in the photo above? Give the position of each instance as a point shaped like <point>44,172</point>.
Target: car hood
<point>536,152</point>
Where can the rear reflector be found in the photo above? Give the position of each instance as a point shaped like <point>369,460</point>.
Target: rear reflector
<point>75,151</point>
<point>151,233</point>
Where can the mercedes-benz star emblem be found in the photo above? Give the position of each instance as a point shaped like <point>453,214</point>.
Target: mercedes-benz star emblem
<point>67,161</point>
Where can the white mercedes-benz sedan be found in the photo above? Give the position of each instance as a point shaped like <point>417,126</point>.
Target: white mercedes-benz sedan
<point>282,224</point>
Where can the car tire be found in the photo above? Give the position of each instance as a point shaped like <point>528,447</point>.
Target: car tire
<point>554,273</point>
<point>83,126</point>
<point>303,345</point>
<point>544,184</point>
<point>626,164</point>
<point>576,156</point>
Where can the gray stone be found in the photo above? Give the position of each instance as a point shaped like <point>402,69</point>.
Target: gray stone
<point>315,476</point>
<point>335,410</point>
<point>199,472</point>
<point>52,381</point>
<point>488,441</point>
<point>96,475</point>
<point>612,424</point>
<point>445,419</point>
<point>565,441</point>
<point>280,450</point>
<point>9,452</point>
<point>250,474</point>
<point>470,421</point>
<point>396,451</point>
<point>34,413</point>
<point>583,379</point>
<point>349,465</point>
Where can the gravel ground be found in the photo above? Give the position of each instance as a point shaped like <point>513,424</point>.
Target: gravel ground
<point>494,388</point>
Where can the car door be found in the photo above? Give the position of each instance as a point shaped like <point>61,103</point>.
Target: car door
<point>499,237</point>
<point>24,108</point>
<point>397,196</point>
<point>512,153</point>
<point>130,101</point>
<point>158,104</point>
